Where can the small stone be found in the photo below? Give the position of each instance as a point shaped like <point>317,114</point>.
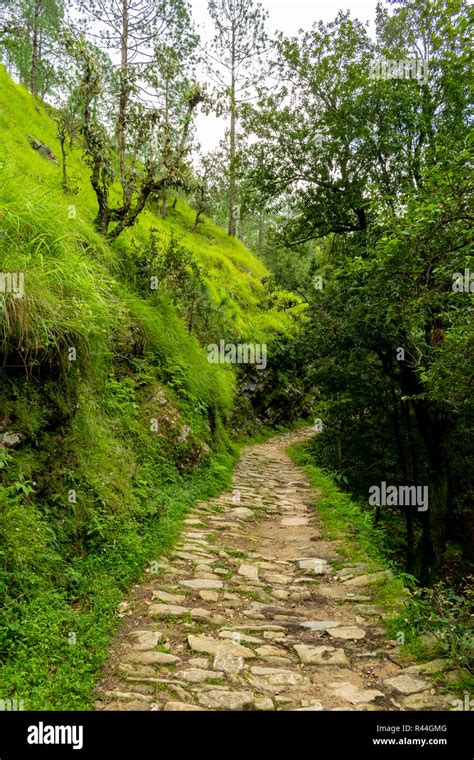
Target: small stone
<point>144,640</point>
<point>280,594</point>
<point>229,663</point>
<point>182,707</point>
<point>208,596</point>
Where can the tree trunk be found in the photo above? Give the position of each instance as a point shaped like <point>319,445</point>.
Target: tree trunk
<point>62,140</point>
<point>261,232</point>
<point>433,543</point>
<point>232,173</point>
<point>123,102</point>
<point>163,207</point>
<point>35,48</point>
<point>196,221</point>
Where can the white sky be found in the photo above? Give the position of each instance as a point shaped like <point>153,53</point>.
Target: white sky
<point>287,16</point>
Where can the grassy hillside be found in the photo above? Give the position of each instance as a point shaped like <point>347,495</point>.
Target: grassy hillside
<point>112,420</point>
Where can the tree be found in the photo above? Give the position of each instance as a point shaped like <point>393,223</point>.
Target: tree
<point>236,62</point>
<point>376,170</point>
<point>169,78</point>
<point>31,39</point>
<point>132,29</point>
<point>98,147</point>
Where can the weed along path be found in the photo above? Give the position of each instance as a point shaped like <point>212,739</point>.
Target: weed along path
<point>248,612</point>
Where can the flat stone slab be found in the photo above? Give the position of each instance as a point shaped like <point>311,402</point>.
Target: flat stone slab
<point>277,680</point>
<point>426,701</point>
<point>145,640</point>
<point>202,583</point>
<point>317,566</point>
<point>407,684</point>
<point>152,658</point>
<point>320,625</point>
<point>347,632</point>
<point>226,700</point>
<point>353,694</point>
<point>196,675</point>
<point>243,512</point>
<point>165,610</point>
<point>208,596</point>
<point>434,666</point>
<point>164,596</point>
<point>229,663</point>
<point>238,637</point>
<point>268,651</point>
<point>218,646</point>
<point>367,580</point>
<point>321,655</point>
<point>248,571</point>
<point>182,707</point>
<point>264,703</point>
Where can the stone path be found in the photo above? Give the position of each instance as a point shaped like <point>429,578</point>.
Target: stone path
<point>247,612</point>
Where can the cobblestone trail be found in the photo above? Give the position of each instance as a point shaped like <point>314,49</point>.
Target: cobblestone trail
<point>248,612</point>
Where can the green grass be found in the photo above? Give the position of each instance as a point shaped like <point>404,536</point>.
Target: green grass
<point>93,494</point>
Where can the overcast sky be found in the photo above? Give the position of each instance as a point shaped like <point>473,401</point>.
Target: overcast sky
<point>287,16</point>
